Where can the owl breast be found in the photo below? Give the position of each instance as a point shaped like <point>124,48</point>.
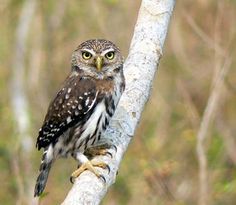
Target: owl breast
<point>87,133</point>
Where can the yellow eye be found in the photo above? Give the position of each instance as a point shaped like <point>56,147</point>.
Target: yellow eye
<point>110,55</point>
<point>86,55</point>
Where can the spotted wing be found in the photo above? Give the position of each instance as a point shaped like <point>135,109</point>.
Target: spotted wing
<point>73,104</point>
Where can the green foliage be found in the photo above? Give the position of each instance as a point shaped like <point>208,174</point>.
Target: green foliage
<point>111,2</point>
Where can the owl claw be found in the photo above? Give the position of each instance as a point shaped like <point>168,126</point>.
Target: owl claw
<point>90,165</point>
<point>72,180</point>
<point>99,150</point>
<point>108,169</point>
<point>115,147</point>
<point>109,153</point>
<point>102,178</point>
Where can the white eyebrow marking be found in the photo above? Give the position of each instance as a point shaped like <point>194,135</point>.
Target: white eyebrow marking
<point>88,50</point>
<point>106,51</point>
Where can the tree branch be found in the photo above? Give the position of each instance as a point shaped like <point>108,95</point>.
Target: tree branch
<point>140,67</point>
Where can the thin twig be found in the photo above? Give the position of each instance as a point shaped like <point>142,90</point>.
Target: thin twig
<point>208,115</point>
<point>208,40</point>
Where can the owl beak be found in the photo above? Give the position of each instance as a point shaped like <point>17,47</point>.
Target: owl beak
<point>99,62</point>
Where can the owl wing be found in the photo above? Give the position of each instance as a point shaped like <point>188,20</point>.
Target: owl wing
<point>73,104</point>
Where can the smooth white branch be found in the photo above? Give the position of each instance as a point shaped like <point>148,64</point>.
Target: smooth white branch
<point>139,68</point>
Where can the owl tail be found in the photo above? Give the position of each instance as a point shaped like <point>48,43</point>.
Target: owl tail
<point>43,175</point>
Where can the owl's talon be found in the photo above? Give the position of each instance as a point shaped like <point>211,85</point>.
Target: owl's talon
<point>90,165</point>
<point>103,179</point>
<point>108,168</point>
<point>72,180</point>
<point>115,147</point>
<point>110,154</point>
<point>99,150</point>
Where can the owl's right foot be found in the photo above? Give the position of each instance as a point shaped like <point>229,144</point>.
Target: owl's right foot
<point>90,165</point>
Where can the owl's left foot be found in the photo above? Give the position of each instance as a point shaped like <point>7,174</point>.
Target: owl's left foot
<point>90,165</point>
<point>100,150</point>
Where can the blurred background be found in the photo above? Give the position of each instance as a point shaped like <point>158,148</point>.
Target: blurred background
<point>184,150</point>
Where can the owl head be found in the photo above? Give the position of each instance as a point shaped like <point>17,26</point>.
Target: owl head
<point>97,57</point>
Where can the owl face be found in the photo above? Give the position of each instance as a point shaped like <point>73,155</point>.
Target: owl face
<point>98,57</point>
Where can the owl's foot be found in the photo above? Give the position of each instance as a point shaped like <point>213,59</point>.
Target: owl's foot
<point>90,165</point>
<point>100,150</point>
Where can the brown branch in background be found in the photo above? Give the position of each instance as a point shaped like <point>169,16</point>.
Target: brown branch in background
<point>208,116</point>
<point>205,38</point>
<point>220,71</point>
<point>19,104</point>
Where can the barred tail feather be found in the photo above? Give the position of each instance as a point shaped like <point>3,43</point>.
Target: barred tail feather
<point>43,175</point>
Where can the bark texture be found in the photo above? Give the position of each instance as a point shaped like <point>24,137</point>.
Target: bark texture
<point>139,68</point>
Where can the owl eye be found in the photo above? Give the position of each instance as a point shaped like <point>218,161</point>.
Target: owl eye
<point>110,55</point>
<point>86,55</point>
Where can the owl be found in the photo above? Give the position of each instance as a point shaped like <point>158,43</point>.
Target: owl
<point>81,110</point>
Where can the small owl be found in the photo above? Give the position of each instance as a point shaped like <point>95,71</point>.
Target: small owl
<point>82,109</point>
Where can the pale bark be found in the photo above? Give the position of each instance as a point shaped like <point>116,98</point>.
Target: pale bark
<point>140,68</point>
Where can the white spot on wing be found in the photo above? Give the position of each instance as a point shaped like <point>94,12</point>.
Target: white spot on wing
<point>92,102</point>
<point>68,120</point>
<point>76,113</point>
<point>69,90</point>
<point>87,101</point>
<point>79,107</point>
